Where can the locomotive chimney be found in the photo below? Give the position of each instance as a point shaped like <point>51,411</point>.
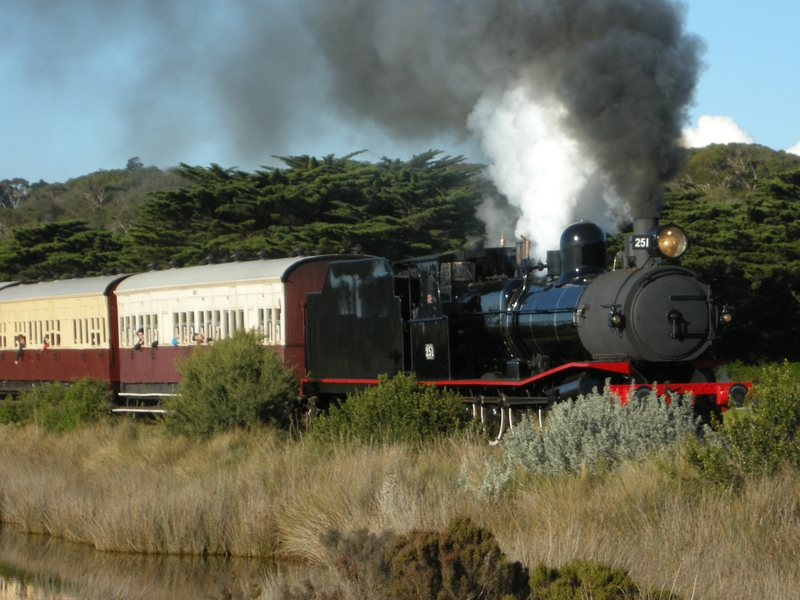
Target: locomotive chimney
<point>642,226</point>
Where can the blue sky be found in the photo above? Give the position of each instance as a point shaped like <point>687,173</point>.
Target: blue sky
<point>89,84</point>
<point>752,66</point>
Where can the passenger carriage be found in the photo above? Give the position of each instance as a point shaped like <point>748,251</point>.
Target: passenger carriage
<point>66,324</point>
<point>185,308</point>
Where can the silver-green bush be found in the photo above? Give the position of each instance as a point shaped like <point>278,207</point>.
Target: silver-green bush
<point>596,430</point>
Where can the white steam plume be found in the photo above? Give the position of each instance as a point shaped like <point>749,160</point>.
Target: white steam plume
<point>533,162</point>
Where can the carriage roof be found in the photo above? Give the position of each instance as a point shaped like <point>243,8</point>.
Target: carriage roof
<point>84,286</point>
<point>225,273</point>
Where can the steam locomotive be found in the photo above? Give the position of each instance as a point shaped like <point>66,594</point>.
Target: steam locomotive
<point>509,335</point>
<point>512,338</point>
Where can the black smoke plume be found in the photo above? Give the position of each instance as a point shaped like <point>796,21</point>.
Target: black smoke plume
<point>624,71</point>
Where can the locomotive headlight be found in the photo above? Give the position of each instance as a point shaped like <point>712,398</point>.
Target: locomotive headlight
<point>672,241</point>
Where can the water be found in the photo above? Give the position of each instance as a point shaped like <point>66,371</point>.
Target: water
<point>34,566</point>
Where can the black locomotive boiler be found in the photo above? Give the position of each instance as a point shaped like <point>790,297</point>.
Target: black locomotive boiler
<point>511,336</point>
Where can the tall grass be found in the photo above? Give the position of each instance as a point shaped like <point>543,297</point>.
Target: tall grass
<point>129,488</point>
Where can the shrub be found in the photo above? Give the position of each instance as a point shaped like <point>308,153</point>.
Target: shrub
<point>596,430</point>
<point>761,440</point>
<point>235,382</point>
<point>581,579</point>
<point>462,562</point>
<point>58,407</point>
<point>395,410</point>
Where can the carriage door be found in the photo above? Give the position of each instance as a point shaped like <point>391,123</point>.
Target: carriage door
<point>430,348</point>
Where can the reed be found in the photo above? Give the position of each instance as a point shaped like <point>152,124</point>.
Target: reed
<point>129,488</point>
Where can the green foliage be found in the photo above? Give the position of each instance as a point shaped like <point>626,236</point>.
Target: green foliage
<point>57,249</point>
<point>464,561</point>
<point>58,407</point>
<point>725,171</point>
<point>395,410</point>
<point>105,199</point>
<point>392,208</point>
<point>761,441</point>
<point>595,430</point>
<point>234,382</point>
<point>740,205</point>
<point>13,191</point>
<point>581,579</point>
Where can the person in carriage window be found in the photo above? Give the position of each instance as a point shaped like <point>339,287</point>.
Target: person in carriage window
<point>139,339</point>
<point>21,341</point>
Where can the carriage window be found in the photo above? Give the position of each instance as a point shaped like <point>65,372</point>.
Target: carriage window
<point>184,337</point>
<point>277,324</point>
<point>176,328</point>
<point>240,319</point>
<point>208,325</point>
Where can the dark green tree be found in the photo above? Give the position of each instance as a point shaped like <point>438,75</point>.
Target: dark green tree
<point>394,208</point>
<point>12,191</point>
<point>745,230</point>
<point>54,249</point>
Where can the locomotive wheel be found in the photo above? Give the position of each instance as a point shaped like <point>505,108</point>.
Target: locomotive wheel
<point>494,422</point>
<point>504,420</point>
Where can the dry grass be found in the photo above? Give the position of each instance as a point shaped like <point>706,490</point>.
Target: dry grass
<point>254,494</point>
